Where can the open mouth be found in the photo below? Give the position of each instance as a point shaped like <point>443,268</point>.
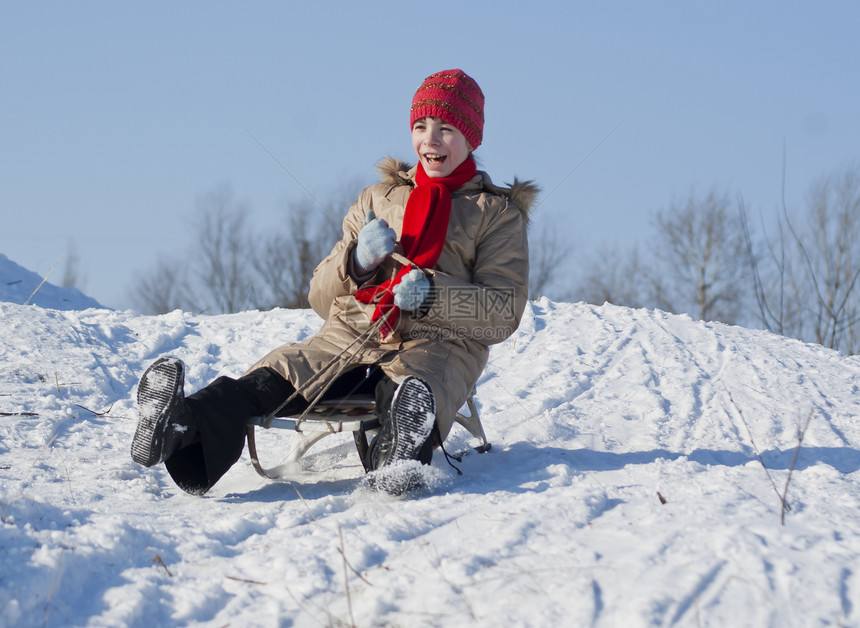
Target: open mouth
<point>434,158</point>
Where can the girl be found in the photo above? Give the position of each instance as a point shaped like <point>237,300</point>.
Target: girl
<point>432,269</point>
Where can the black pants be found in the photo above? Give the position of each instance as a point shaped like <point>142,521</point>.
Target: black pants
<point>221,410</point>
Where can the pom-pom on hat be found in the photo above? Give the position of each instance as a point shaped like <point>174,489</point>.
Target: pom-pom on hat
<point>455,97</point>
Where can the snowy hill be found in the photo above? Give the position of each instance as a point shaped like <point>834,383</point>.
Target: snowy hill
<point>17,285</point>
<point>624,488</point>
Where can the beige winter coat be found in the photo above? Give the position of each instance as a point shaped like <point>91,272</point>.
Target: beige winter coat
<point>479,293</point>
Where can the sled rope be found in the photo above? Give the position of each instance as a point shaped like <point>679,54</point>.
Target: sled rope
<point>363,338</point>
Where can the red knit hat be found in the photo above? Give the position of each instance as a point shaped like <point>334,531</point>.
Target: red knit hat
<point>455,97</point>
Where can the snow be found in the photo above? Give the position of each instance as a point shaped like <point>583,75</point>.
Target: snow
<point>597,415</point>
<point>19,285</point>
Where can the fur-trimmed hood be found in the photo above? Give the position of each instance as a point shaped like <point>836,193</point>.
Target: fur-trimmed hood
<point>521,193</point>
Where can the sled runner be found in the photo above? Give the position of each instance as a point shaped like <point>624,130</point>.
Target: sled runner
<point>355,414</point>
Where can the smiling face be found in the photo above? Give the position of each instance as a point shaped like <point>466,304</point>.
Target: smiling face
<point>440,146</point>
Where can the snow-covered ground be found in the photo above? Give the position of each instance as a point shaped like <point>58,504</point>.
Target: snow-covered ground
<point>20,285</point>
<point>624,487</point>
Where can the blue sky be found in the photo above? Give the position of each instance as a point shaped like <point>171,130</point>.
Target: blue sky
<point>116,117</point>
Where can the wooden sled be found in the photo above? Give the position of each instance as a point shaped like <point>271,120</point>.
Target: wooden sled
<point>334,416</point>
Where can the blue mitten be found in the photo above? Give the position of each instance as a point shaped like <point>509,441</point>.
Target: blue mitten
<point>375,242</point>
<point>412,291</point>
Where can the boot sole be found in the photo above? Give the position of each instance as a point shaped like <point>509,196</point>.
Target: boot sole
<point>158,395</point>
<point>413,413</point>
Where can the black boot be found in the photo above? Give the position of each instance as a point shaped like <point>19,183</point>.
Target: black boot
<point>164,418</point>
<point>406,414</point>
<point>220,412</point>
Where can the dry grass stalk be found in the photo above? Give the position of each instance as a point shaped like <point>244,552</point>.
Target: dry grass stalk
<point>800,434</point>
<point>783,496</point>
<point>346,577</point>
<point>48,274</point>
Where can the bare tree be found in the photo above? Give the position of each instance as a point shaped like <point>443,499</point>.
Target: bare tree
<point>163,290</point>
<point>71,269</point>
<point>229,267</point>
<point>777,291</point>
<point>613,277</point>
<point>223,257</point>
<point>546,255</point>
<point>695,263</point>
<point>806,276</point>
<point>216,275</point>
<point>830,254</point>
<point>288,258</point>
<point>703,257</point>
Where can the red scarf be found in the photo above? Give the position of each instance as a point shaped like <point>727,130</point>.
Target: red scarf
<point>425,226</point>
